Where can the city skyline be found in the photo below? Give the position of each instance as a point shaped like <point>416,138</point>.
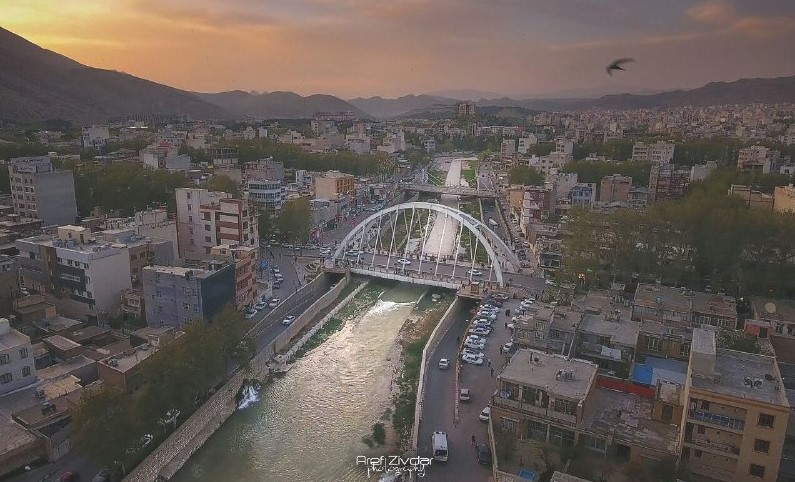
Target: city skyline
<point>363,48</point>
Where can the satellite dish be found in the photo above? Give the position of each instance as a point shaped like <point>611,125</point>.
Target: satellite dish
<point>770,307</point>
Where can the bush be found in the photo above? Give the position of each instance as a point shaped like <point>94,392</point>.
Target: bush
<point>379,434</point>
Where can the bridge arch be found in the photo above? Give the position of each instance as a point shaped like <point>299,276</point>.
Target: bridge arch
<point>492,243</point>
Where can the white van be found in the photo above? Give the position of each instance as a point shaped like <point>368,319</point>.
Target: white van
<point>439,442</point>
<point>492,222</point>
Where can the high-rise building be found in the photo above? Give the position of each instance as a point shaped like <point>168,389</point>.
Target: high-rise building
<point>245,262</point>
<point>464,109</point>
<point>206,219</point>
<point>660,152</point>
<point>39,191</point>
<point>615,188</point>
<point>666,182</point>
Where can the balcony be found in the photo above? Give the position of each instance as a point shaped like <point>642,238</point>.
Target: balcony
<point>529,409</point>
<point>716,419</point>
<point>714,447</point>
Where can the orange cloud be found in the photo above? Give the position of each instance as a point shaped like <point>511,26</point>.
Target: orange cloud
<point>715,12</point>
<point>763,26</point>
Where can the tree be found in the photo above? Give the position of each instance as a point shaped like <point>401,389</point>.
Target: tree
<point>103,426</point>
<point>295,221</point>
<point>222,183</point>
<point>525,175</point>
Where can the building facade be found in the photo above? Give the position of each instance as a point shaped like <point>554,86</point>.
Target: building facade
<point>17,367</point>
<point>174,296</point>
<point>41,192</point>
<point>615,188</point>
<point>666,182</point>
<point>246,263</point>
<point>334,185</point>
<point>269,195</point>
<point>660,152</point>
<point>759,159</point>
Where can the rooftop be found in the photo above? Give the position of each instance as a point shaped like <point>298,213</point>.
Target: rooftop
<point>561,477</point>
<point>733,371</point>
<point>683,300</point>
<point>621,332</point>
<point>524,370</point>
<point>773,309</point>
<point>627,417</point>
<point>26,397</point>
<point>179,271</point>
<point>85,333</point>
<point>64,368</point>
<point>12,339</point>
<point>36,415</point>
<point>130,358</point>
<point>61,343</point>
<point>58,323</point>
<point>14,436</point>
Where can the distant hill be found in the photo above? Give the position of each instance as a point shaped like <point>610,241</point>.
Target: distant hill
<point>38,84</point>
<point>386,108</point>
<point>279,105</point>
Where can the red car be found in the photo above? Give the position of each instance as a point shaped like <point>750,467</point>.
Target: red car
<point>68,477</point>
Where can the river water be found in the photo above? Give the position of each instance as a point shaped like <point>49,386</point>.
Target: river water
<point>309,424</point>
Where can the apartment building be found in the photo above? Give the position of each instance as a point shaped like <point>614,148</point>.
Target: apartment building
<point>784,199</point>
<point>143,250</point>
<point>700,172</point>
<point>507,148</point>
<point>95,136</point>
<point>615,188</point>
<point>17,367</point>
<point>583,194</point>
<point>683,307</point>
<point>560,401</point>
<point>152,223</point>
<point>666,182</point>
<point>608,340</point>
<point>525,142</point>
<point>207,218</point>
<point>773,318</point>
<point>334,185</point>
<point>269,195</point>
<point>125,370</point>
<point>246,263</point>
<point>264,170</point>
<point>465,109</point>
<point>39,191</point>
<point>736,413</point>
<point>751,198</point>
<point>174,296</point>
<point>74,265</point>
<point>759,159</point>
<point>164,156</point>
<point>660,152</point>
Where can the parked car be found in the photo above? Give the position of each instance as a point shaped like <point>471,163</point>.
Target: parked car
<point>464,395</point>
<point>250,314</point>
<point>479,331</point>
<point>472,360</point>
<point>476,338</point>
<point>483,453</point>
<point>288,320</point>
<point>470,351</point>
<point>260,306</point>
<point>475,345</point>
<point>485,414</point>
<point>549,282</point>
<point>274,302</point>
<point>444,364</point>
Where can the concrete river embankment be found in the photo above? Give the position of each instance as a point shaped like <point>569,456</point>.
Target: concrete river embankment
<point>309,424</point>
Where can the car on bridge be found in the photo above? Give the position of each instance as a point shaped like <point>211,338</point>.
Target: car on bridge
<point>288,320</point>
<point>472,360</point>
<point>403,262</point>
<point>353,252</point>
<point>474,272</point>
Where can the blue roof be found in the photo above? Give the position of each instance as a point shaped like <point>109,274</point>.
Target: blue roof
<point>527,474</point>
<point>659,369</point>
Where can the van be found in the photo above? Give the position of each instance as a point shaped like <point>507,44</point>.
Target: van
<point>439,443</point>
<point>492,222</point>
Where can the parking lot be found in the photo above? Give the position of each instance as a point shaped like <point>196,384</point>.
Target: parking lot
<point>441,395</point>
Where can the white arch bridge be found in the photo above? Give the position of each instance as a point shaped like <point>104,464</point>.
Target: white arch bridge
<point>426,243</point>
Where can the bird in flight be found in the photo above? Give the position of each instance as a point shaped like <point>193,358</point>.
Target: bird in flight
<point>616,65</point>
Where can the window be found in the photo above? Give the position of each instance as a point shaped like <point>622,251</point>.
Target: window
<point>701,429</point>
<point>653,344</point>
<point>23,352</point>
<point>6,378</point>
<point>667,413</point>
<point>190,219</point>
<point>25,371</point>
<point>208,239</point>
<point>508,424</point>
<point>685,349</point>
<point>189,207</point>
<point>697,453</point>
<point>757,471</point>
<point>761,446</point>
<point>5,358</point>
<point>188,194</point>
<point>565,406</point>
<point>705,405</point>
<point>766,420</point>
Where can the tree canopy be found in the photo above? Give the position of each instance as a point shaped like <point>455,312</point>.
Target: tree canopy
<point>525,175</point>
<point>220,182</point>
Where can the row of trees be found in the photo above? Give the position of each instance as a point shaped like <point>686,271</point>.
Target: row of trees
<point>707,238</point>
<point>293,224</point>
<point>107,422</point>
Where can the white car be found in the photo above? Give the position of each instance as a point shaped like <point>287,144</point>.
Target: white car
<point>474,272</point>
<point>274,303</point>
<point>288,320</point>
<point>485,414</point>
<point>549,282</point>
<point>476,338</point>
<point>475,345</point>
<point>260,306</point>
<point>403,262</point>
<point>511,326</point>
<point>250,314</point>
<point>444,364</point>
<point>505,348</point>
<point>472,360</point>
<point>353,252</point>
<point>479,331</point>
<point>469,351</point>
<point>488,316</point>
<point>526,304</point>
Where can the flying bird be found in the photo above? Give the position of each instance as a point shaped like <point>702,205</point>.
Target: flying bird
<point>616,65</point>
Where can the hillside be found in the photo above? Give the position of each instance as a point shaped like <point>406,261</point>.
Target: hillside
<point>386,108</point>
<point>38,84</point>
<point>278,105</point>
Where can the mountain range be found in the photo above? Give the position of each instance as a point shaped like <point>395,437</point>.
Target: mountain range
<point>38,84</point>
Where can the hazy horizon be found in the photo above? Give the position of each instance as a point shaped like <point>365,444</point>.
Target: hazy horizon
<point>364,48</point>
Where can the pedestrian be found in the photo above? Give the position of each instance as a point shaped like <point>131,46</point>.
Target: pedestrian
<point>473,439</point>
<point>492,372</point>
<point>458,340</point>
<point>506,324</point>
<point>489,361</point>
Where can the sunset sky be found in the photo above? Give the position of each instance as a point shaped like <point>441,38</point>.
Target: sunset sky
<point>355,48</point>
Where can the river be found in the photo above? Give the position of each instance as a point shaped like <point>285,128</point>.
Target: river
<point>309,425</point>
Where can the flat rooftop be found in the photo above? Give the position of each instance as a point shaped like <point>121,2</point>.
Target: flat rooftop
<point>26,397</point>
<point>85,333</point>
<point>14,435</point>
<point>61,343</point>
<point>628,418</point>
<point>58,323</point>
<point>682,300</point>
<point>179,271</point>
<point>130,359</point>
<point>12,339</point>
<point>734,367</point>
<point>774,309</point>
<point>65,368</point>
<point>621,332</point>
<point>524,370</point>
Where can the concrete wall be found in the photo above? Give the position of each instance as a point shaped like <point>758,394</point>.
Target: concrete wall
<point>436,337</point>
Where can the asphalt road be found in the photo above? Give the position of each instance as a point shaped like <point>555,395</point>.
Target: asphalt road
<point>440,398</point>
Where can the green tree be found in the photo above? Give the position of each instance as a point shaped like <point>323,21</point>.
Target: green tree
<point>222,183</point>
<point>525,175</point>
<point>295,221</point>
<point>103,426</point>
